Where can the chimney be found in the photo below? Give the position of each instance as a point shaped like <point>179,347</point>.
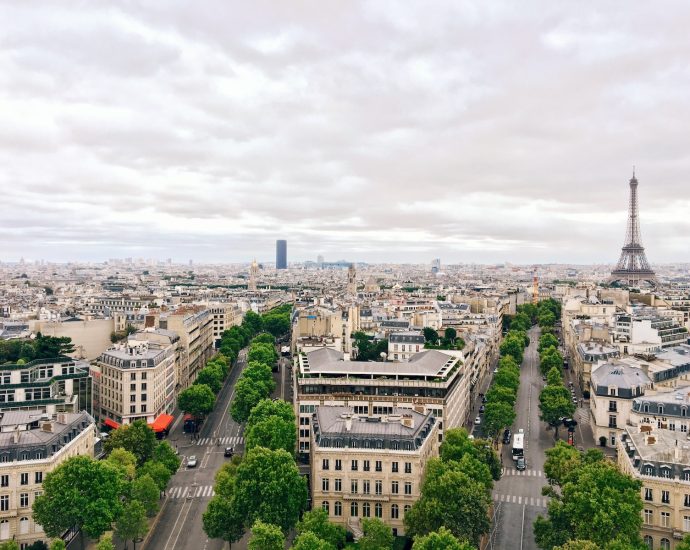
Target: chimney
<point>651,440</point>
<point>407,420</point>
<point>16,436</point>
<point>47,427</point>
<point>348,424</point>
<point>61,418</point>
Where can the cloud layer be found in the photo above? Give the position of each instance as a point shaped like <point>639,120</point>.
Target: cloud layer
<point>473,131</point>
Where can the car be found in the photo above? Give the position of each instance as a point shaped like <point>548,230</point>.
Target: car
<point>481,408</point>
<point>506,436</point>
<point>495,371</point>
<point>521,463</point>
<point>478,420</point>
<point>483,398</point>
<point>191,462</point>
<point>229,451</point>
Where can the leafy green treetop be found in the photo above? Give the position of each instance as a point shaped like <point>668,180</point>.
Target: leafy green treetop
<point>266,537</point>
<point>377,535</point>
<point>137,438</point>
<point>442,539</point>
<point>316,521</point>
<point>197,400</point>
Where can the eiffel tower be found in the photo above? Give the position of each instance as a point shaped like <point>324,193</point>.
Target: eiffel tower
<point>633,267</point>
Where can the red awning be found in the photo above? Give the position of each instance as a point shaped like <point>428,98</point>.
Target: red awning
<point>162,423</point>
<point>111,424</point>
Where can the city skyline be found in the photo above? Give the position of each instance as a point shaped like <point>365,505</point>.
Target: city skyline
<point>376,132</point>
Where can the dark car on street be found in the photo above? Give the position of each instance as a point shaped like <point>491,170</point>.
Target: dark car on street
<point>228,451</point>
<point>506,436</point>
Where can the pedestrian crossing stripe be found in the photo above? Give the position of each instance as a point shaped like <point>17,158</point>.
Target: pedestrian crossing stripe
<point>528,473</point>
<point>200,491</point>
<point>236,440</point>
<point>538,502</point>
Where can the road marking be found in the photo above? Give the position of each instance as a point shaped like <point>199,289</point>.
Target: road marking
<point>522,533</point>
<point>188,505</point>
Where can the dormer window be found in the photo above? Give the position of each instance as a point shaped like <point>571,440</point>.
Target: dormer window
<point>645,407</point>
<point>649,470</point>
<point>684,411</point>
<point>660,408</point>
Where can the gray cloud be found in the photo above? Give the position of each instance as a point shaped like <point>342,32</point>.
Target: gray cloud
<point>473,131</point>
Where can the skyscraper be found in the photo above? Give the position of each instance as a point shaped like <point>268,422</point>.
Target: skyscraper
<point>281,254</point>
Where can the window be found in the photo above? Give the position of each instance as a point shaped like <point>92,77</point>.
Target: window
<point>132,408</point>
<point>379,466</point>
<point>379,486</point>
<point>338,464</point>
<point>325,464</point>
<point>394,487</point>
<point>394,467</point>
<point>665,544</point>
<point>366,510</point>
<point>366,486</point>
<point>686,476</point>
<point>132,387</point>
<point>304,421</point>
<point>648,517</point>
<point>408,488</point>
<point>338,485</point>
<point>665,519</point>
<point>23,526</point>
<point>408,467</point>
<point>132,398</point>
<point>648,494</point>
<point>143,397</point>
<point>324,484</point>
<point>338,509</point>
<point>325,506</point>
<point>686,523</point>
<point>143,387</point>
<point>355,466</point>
<point>649,541</point>
<point>5,481</point>
<point>24,478</point>
<point>38,477</point>
<point>613,423</point>
<point>613,406</point>
<point>407,508</point>
<point>665,497</point>
<point>394,511</point>
<point>366,466</point>
<point>378,510</point>
<point>143,408</point>
<point>354,509</point>
<point>665,472</point>
<point>4,503</point>
<point>354,484</point>
<point>133,376</point>
<point>24,500</point>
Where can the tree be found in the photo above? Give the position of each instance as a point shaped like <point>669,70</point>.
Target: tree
<point>253,322</point>
<point>377,535</point>
<point>456,444</point>
<point>156,471</point>
<point>546,341</point>
<point>554,377</point>
<point>9,545</point>
<point>260,374</point>
<point>262,353</point>
<point>550,358</point>
<point>442,539</point>
<point>145,490</point>
<point>451,334</point>
<point>266,537</point>
<point>50,347</point>
<point>316,521</point>
<point>59,544</point>
<point>506,378</point>
<point>598,503</point>
<point>197,400</point>
<point>132,523</point>
<point>247,396</point>
<point>546,319</point>
<point>561,460</point>
<point>579,545</point>
<point>124,461</point>
<point>555,403</point>
<point>273,433</point>
<point>212,377</point>
<point>309,541</point>
<point>167,456</point>
<point>137,438</point>
<point>501,394</point>
<point>507,361</point>
<point>465,515</point>
<point>267,408</point>
<point>430,335</point>
<point>514,347</point>
<point>684,544</point>
<point>277,325</point>
<point>80,492</point>
<point>106,542</point>
<point>486,454</point>
<point>497,416</point>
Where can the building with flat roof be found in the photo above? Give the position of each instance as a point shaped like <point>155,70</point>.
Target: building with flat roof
<point>281,254</point>
<point>31,445</point>
<point>369,465</point>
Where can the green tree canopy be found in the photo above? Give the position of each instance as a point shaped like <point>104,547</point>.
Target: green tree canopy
<point>137,438</point>
<point>80,492</point>
<point>266,537</point>
<point>267,408</point>
<point>554,377</point>
<point>450,334</point>
<point>497,416</point>
<point>145,490</point>
<point>9,545</point>
<point>277,325</point>
<point>212,376</point>
<point>253,322</point>
<point>442,539</point>
<point>264,338</point>
<point>316,521</point>
<point>377,535</point>
<point>262,353</point>
<point>167,456</point>
<point>501,394</point>
<point>506,378</point>
<point>555,403</point>
<point>512,346</point>
<point>310,541</point>
<point>273,433</point>
<point>430,335</point>
<point>197,400</point>
<point>58,544</point>
<point>132,523</point>
<point>157,471</point>
<point>247,396</point>
<point>550,358</point>
<point>261,375</point>
<point>546,341</point>
<point>124,461</point>
<point>106,543</point>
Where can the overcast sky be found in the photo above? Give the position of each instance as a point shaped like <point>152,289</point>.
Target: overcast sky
<point>482,131</point>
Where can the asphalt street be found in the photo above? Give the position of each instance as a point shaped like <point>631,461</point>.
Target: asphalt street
<point>517,495</point>
<point>179,526</point>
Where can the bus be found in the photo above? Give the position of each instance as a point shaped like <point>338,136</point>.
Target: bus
<point>519,444</point>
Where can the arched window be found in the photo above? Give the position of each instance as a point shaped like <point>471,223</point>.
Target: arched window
<point>665,544</point>
<point>684,411</point>
<point>366,510</point>
<point>395,511</point>
<point>23,526</point>
<point>354,509</point>
<point>649,541</point>
<point>338,508</point>
<point>665,472</point>
<point>649,470</point>
<point>660,408</point>
<point>378,510</point>
<point>325,506</point>
<point>407,508</point>
<point>645,407</point>
<point>4,529</point>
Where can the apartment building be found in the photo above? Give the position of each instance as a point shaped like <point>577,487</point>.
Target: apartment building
<point>31,445</point>
<point>194,326</point>
<point>660,459</point>
<point>587,357</point>
<point>52,385</point>
<point>615,386</point>
<point>136,382</point>
<point>665,410</point>
<point>224,317</point>
<point>369,465</point>
<point>432,381</point>
<point>645,331</point>
<point>403,345</point>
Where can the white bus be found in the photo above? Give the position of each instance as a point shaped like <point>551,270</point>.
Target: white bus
<point>518,445</point>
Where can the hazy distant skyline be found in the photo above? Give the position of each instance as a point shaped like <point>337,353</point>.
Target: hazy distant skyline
<point>374,131</point>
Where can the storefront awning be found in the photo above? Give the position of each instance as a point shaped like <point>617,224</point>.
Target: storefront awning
<point>111,424</point>
<point>162,423</point>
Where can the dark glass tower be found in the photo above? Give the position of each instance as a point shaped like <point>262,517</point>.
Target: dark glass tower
<point>281,254</point>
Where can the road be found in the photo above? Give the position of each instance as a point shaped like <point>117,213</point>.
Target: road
<point>179,526</point>
<point>517,495</point>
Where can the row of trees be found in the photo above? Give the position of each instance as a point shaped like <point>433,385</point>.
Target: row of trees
<point>120,492</point>
<point>275,321</point>
<point>200,398</point>
<point>256,382</point>
<point>450,339</point>
<point>42,347</point>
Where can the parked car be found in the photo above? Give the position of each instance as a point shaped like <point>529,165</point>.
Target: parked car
<point>191,462</point>
<point>229,451</point>
<point>478,420</point>
<point>481,408</point>
<point>521,463</point>
<point>506,436</point>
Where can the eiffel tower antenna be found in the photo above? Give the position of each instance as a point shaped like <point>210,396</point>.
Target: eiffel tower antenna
<point>632,266</point>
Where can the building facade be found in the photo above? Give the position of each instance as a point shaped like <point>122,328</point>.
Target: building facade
<point>368,465</point>
<point>403,345</point>
<point>281,254</point>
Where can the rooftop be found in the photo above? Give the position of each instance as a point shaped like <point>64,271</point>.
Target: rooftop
<point>619,375</point>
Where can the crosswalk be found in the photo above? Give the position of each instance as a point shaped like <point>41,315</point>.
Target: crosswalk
<point>539,502</point>
<point>528,473</point>
<point>199,491</point>
<point>231,441</point>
